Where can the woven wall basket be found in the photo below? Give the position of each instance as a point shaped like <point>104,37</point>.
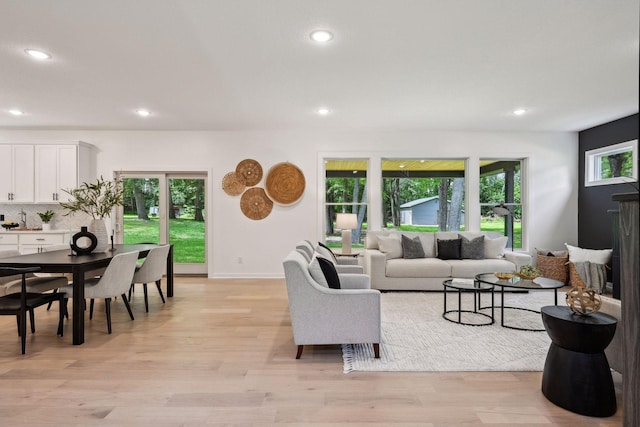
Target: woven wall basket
<point>554,267</point>
<point>249,172</point>
<point>285,184</point>
<point>255,204</point>
<point>231,185</point>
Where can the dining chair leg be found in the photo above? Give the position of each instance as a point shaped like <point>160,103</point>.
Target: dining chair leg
<point>107,305</point>
<point>55,291</point>
<point>18,323</point>
<point>146,297</point>
<point>126,303</point>
<point>160,291</point>
<point>131,289</point>
<point>91,309</point>
<point>32,320</point>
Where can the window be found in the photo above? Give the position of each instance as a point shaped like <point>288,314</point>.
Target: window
<point>423,194</point>
<point>613,164</point>
<point>345,192</point>
<point>501,185</point>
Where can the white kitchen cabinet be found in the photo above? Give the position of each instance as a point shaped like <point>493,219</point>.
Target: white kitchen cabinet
<point>8,241</point>
<point>61,167</point>
<point>31,242</point>
<point>17,174</point>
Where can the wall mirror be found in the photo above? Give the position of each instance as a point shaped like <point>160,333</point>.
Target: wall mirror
<point>613,164</point>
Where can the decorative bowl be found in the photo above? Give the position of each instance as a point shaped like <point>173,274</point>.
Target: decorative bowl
<point>9,225</point>
<point>503,276</point>
<point>527,276</point>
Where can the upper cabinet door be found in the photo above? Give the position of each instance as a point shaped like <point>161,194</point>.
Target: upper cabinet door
<point>46,169</point>
<point>16,174</point>
<point>56,170</point>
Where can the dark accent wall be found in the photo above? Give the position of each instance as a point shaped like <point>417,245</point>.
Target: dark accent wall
<point>594,222</point>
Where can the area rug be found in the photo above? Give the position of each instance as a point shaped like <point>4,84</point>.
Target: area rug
<point>415,337</point>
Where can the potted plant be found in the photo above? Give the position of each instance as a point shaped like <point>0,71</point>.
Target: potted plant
<point>96,199</point>
<point>46,218</point>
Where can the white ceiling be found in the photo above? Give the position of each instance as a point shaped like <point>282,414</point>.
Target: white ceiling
<point>250,65</point>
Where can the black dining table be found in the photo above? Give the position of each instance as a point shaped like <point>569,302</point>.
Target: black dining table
<point>63,261</point>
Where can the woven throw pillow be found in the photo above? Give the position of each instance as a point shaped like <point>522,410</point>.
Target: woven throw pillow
<point>391,246</point>
<point>472,248</point>
<point>597,256</point>
<point>494,248</point>
<point>449,249</point>
<point>412,248</point>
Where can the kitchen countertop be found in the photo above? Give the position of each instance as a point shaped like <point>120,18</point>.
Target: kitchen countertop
<point>32,230</point>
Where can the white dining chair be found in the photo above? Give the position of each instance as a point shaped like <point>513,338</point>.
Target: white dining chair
<point>115,282</point>
<point>151,270</point>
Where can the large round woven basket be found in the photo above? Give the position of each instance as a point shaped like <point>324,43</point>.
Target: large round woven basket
<point>249,172</point>
<point>554,267</point>
<point>285,184</point>
<point>231,185</point>
<point>255,204</point>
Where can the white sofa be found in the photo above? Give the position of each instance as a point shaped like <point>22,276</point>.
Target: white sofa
<point>390,272</point>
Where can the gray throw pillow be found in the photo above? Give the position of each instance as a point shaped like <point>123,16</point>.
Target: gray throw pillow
<point>472,248</point>
<point>412,248</point>
<point>449,249</point>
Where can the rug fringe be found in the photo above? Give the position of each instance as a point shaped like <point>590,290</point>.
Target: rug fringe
<point>347,357</point>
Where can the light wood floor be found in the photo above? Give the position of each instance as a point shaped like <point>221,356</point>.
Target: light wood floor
<point>221,353</point>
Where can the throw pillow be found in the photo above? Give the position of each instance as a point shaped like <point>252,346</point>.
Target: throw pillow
<point>494,248</point>
<point>597,256</point>
<point>449,249</point>
<point>325,252</point>
<point>391,245</point>
<point>330,274</point>
<point>316,272</point>
<point>472,248</point>
<point>333,256</point>
<point>412,248</point>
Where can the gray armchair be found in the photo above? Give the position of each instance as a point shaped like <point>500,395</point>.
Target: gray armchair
<point>320,315</point>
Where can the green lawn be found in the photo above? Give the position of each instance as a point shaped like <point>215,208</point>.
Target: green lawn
<point>186,235</point>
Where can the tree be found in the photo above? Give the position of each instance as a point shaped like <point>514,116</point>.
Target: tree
<point>455,209</point>
<point>138,196</point>
<point>443,204</point>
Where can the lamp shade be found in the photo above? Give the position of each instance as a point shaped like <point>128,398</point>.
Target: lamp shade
<point>501,210</point>
<point>346,221</point>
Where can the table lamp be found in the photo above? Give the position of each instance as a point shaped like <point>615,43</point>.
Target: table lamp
<point>346,222</point>
<point>503,211</point>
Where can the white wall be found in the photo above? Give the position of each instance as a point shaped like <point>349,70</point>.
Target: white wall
<point>552,167</point>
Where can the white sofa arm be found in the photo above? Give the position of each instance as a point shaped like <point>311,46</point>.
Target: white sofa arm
<point>353,269</point>
<point>354,281</point>
<point>518,258</point>
<point>375,265</point>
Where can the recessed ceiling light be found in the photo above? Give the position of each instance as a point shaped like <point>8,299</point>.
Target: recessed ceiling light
<point>519,111</point>
<point>321,36</point>
<point>143,112</point>
<point>16,112</point>
<point>37,54</point>
<point>323,111</point>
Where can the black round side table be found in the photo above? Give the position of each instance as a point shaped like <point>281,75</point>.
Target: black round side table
<point>576,373</point>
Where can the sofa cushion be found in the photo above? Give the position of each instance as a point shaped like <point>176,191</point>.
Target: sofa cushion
<point>412,247</point>
<point>330,273</point>
<point>391,246</point>
<point>494,248</point>
<point>449,248</point>
<point>418,267</point>
<point>428,241</point>
<point>468,268</point>
<point>472,248</point>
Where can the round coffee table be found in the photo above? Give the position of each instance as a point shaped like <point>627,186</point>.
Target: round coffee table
<point>474,287</point>
<point>518,284</point>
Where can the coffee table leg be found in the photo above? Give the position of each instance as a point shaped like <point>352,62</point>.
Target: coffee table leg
<point>459,306</point>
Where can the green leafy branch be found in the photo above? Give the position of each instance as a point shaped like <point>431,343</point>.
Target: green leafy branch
<point>96,199</point>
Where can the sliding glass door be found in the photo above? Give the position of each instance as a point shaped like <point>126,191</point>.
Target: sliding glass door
<point>166,207</point>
